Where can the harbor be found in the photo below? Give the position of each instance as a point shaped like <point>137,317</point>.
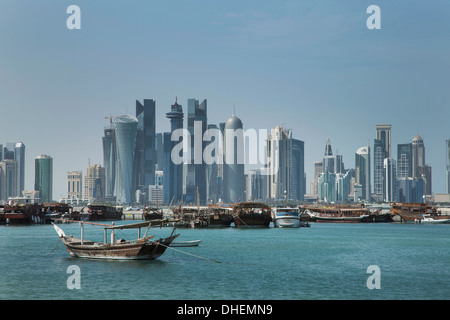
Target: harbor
<point>325,261</point>
<point>242,214</point>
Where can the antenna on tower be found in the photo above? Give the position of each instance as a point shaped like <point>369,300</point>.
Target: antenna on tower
<point>234,108</point>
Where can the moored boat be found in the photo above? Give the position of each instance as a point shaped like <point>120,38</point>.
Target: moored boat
<point>413,212</point>
<point>338,214</point>
<point>102,212</point>
<point>141,248</point>
<point>252,214</point>
<point>284,217</point>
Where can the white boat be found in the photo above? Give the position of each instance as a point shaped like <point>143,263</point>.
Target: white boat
<point>192,243</point>
<point>286,217</point>
<point>432,221</point>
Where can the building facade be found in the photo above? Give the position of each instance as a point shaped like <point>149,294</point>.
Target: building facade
<point>43,179</point>
<point>362,171</point>
<point>125,132</point>
<point>173,172</point>
<point>75,185</point>
<point>94,184</point>
<point>145,153</point>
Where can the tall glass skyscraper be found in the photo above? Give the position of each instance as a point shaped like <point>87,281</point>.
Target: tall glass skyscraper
<point>195,172</point>
<point>43,181</point>
<point>362,171</point>
<point>173,173</point>
<point>404,160</point>
<point>125,130</point>
<point>145,154</point>
<point>109,161</point>
<point>233,167</point>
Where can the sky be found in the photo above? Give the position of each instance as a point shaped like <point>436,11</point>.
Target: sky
<point>311,66</point>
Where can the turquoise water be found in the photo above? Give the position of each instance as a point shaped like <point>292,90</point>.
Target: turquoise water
<point>326,261</point>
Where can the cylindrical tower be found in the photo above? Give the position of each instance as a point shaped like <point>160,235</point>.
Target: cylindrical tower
<point>233,167</point>
<point>125,130</point>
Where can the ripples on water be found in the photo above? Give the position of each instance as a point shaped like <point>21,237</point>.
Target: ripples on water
<point>326,261</point>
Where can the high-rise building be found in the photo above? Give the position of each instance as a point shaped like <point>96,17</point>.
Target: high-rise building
<point>43,178</point>
<point>173,172</point>
<point>145,153</point>
<point>404,161</point>
<point>19,157</point>
<point>233,167</point>
<point>109,160</point>
<point>381,151</point>
<point>94,183</point>
<point>362,171</point>
<point>417,156</point>
<point>75,185</point>
<point>195,178</point>
<point>125,131</point>
<point>390,180</point>
<point>286,165</point>
<point>379,155</point>
<point>384,134</point>
<point>8,179</point>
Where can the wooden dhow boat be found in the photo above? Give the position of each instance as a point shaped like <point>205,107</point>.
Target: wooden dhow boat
<point>141,248</point>
<point>252,214</point>
<point>416,212</point>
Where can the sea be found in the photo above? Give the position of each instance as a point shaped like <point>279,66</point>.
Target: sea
<point>327,261</point>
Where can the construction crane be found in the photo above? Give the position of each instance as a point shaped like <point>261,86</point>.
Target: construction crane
<point>110,120</point>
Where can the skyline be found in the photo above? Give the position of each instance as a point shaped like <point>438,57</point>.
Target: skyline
<point>311,67</point>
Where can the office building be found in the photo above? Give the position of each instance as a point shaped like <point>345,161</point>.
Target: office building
<point>145,153</point>
<point>75,185</point>
<point>195,171</point>
<point>173,172</point>
<point>390,180</point>
<point>233,166</point>
<point>383,133</point>
<point>285,160</point>
<point>362,171</point>
<point>417,156</point>
<point>125,133</point>
<point>94,183</point>
<point>404,160</point>
<point>43,177</point>
<point>8,179</point>
<point>109,160</point>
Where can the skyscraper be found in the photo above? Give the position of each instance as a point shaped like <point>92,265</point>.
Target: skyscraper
<point>125,130</point>
<point>381,151</point>
<point>145,154</point>
<point>362,171</point>
<point>8,179</point>
<point>390,180</point>
<point>109,160</point>
<point>233,167</point>
<point>404,161</point>
<point>43,178</point>
<point>195,171</point>
<point>173,173</point>
<point>384,134</point>
<point>417,156</point>
<point>19,157</point>
<point>286,165</point>
<point>94,183</point>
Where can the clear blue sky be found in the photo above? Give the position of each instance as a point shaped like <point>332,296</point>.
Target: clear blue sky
<point>311,66</point>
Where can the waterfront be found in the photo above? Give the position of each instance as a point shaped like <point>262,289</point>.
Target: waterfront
<point>326,261</point>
